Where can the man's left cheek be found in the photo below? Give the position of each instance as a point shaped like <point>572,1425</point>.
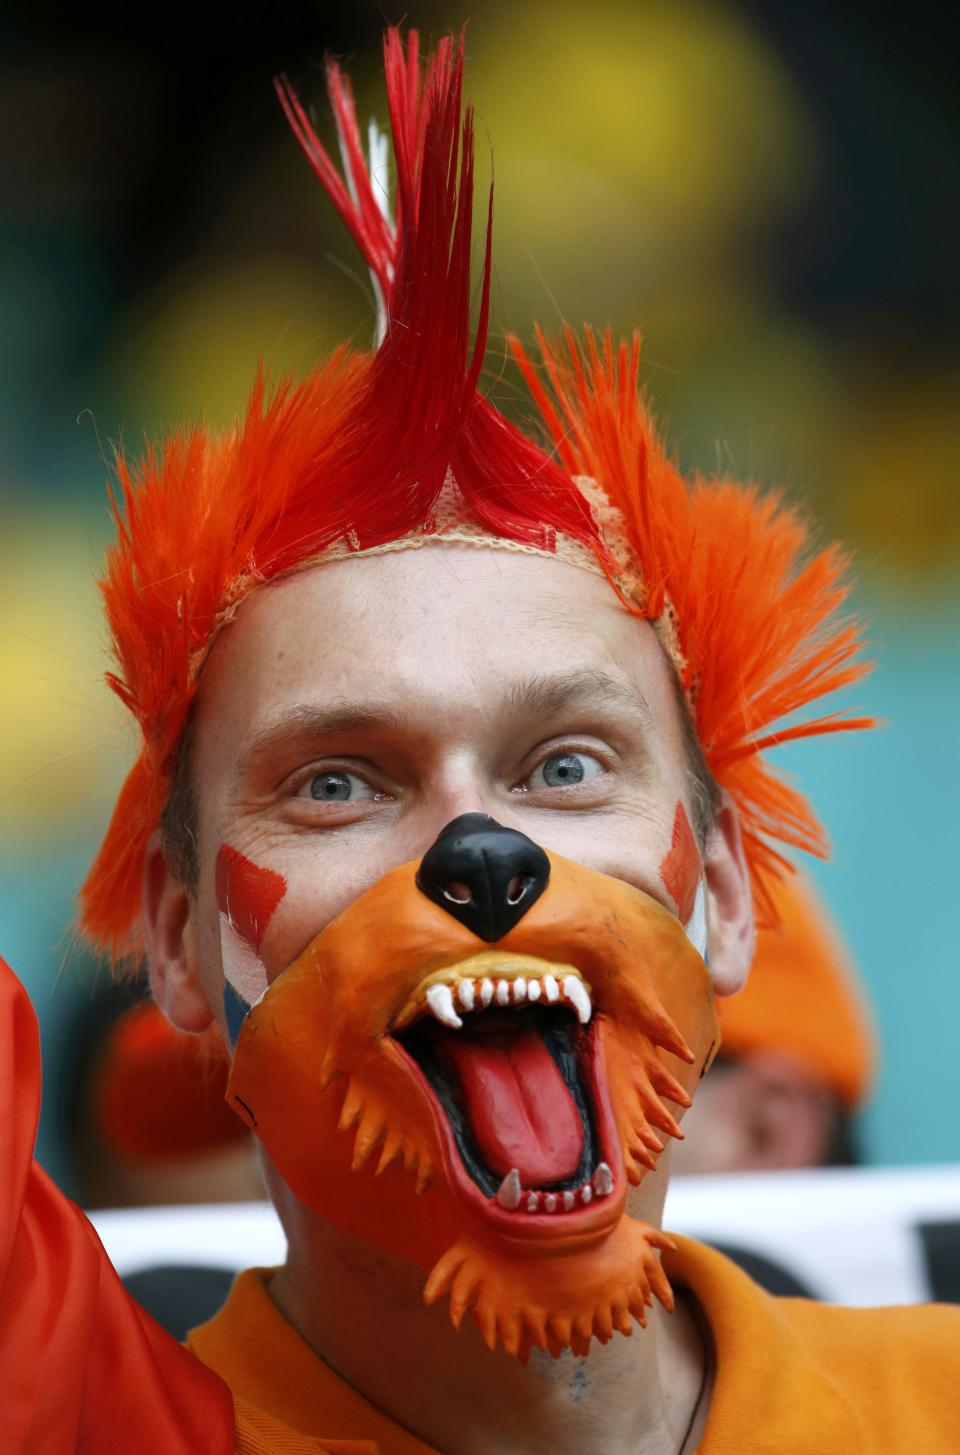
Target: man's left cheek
<point>248,896</point>
<point>681,874</point>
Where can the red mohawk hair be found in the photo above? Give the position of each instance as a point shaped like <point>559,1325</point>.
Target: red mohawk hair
<point>359,453</point>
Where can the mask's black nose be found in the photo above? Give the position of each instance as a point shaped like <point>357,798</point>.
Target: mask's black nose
<point>486,876</point>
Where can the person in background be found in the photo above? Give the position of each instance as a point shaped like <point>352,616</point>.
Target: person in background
<point>152,1124</point>
<point>797,1056</point>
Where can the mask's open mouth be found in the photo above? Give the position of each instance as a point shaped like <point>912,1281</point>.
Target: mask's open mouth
<point>510,1059</point>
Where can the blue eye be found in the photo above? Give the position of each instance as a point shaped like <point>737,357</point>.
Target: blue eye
<point>565,770</point>
<point>337,787</point>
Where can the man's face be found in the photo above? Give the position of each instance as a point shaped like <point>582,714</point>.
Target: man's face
<point>349,713</point>
<point>345,718</point>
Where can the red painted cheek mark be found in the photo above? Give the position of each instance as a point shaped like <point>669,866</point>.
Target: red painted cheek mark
<point>247,894</point>
<point>680,866</point>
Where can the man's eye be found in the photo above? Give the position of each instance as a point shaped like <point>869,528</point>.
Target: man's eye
<point>336,787</point>
<point>564,770</point>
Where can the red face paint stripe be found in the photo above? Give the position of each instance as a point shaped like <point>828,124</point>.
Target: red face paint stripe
<point>247,894</point>
<point>680,866</point>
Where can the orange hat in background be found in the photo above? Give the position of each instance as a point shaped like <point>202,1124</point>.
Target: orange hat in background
<point>158,1094</point>
<point>804,996</point>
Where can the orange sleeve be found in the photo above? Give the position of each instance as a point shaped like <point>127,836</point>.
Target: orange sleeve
<point>83,1368</point>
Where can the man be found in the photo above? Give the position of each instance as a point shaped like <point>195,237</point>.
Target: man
<point>421,820</point>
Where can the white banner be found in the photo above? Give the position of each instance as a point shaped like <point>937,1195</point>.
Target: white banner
<point>857,1237</point>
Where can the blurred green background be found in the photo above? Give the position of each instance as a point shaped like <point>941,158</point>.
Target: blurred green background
<point>769,191</point>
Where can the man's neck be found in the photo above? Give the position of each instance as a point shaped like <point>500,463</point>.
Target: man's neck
<point>361,1311</point>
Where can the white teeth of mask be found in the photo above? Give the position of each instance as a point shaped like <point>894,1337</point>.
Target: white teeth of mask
<point>443,998</point>
<point>440,1001</point>
<point>511,1195</point>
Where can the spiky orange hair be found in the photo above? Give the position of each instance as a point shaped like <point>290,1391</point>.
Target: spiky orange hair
<point>755,610</point>
<point>358,453</point>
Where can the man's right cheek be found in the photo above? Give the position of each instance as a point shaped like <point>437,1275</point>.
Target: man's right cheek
<point>248,896</point>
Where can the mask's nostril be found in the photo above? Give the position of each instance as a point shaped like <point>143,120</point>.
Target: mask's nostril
<point>457,893</point>
<point>516,889</point>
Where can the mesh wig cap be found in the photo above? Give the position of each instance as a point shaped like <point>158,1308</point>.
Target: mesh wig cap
<point>399,446</point>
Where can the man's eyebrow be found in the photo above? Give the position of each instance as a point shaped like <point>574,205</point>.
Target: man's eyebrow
<point>584,687</point>
<point>305,722</point>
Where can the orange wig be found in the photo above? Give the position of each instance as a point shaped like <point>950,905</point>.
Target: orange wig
<point>358,455</point>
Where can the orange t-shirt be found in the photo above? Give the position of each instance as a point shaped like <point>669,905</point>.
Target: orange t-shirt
<point>791,1375</point>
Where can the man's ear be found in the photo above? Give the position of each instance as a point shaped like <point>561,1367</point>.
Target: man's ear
<point>730,933</point>
<point>168,932</point>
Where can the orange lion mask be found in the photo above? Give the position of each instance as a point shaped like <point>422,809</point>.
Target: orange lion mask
<point>475,1095</point>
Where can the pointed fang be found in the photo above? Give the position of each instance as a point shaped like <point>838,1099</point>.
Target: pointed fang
<point>576,992</point>
<point>603,1180</point>
<point>509,1191</point>
<point>440,1001</point>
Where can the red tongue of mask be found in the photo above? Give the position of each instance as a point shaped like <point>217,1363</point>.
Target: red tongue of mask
<point>519,1106</point>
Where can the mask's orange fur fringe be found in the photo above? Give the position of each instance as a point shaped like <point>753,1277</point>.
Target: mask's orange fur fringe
<point>504,1295</point>
<point>641,1107</point>
<point>366,1110</point>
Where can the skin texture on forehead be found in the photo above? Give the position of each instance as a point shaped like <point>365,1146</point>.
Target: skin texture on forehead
<point>437,676</point>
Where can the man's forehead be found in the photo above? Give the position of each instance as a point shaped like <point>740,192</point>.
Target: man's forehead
<point>361,643</point>
<point>427,582</point>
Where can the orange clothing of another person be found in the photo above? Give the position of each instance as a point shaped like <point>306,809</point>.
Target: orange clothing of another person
<point>791,1375</point>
